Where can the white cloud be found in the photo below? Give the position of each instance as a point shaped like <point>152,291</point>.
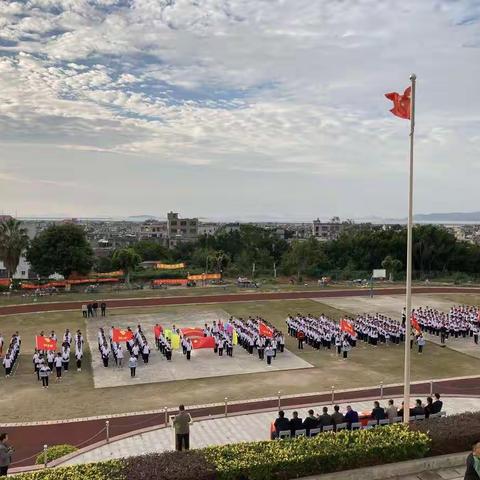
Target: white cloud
<point>247,86</point>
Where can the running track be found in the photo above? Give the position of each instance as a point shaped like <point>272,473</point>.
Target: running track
<point>29,439</point>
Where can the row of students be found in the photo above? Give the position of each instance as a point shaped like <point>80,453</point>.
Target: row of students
<point>12,353</point>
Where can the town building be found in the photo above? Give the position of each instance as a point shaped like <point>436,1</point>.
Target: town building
<point>325,231</point>
<point>181,230</point>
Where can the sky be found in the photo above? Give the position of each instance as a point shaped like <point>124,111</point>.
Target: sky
<point>239,109</point>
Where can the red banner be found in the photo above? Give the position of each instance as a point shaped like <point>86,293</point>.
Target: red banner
<point>203,342</point>
<point>192,332</point>
<point>45,343</point>
<point>170,281</point>
<point>265,330</point>
<point>157,330</point>
<point>4,282</point>
<point>119,335</point>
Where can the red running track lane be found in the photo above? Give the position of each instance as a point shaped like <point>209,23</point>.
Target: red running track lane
<point>29,440</point>
<point>234,297</point>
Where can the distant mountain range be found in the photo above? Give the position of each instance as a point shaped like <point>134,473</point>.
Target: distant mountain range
<point>448,217</point>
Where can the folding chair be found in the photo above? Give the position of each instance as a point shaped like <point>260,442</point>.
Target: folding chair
<point>300,433</point>
<point>419,417</point>
<point>356,426</point>
<point>384,421</point>
<point>341,426</point>
<point>435,415</point>
<point>370,424</point>
<point>283,434</point>
<point>398,420</point>
<point>314,432</point>
<point>328,428</point>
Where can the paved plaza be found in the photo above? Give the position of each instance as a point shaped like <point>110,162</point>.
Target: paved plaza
<point>231,429</point>
<point>204,362</point>
<point>392,305</point>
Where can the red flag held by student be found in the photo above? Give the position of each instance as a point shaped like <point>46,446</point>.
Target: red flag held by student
<point>157,330</point>
<point>415,324</point>
<point>265,330</point>
<point>401,103</point>
<point>203,342</point>
<point>347,327</point>
<point>45,343</point>
<point>119,335</point>
<point>192,332</point>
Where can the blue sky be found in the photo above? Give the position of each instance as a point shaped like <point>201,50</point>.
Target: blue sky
<point>236,108</point>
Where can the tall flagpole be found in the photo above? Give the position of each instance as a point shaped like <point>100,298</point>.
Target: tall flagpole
<point>408,309</point>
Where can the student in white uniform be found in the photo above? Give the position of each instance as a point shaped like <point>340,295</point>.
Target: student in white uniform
<point>132,363</point>
<point>188,348</point>
<point>50,359</point>
<point>145,353</point>
<point>120,356</point>
<point>58,362</point>
<point>65,358</point>
<point>7,363</point>
<point>44,374</point>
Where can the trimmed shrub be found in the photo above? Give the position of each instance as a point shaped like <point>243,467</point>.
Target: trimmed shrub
<point>170,466</point>
<point>54,452</point>
<point>111,470</point>
<point>324,453</point>
<point>452,434</point>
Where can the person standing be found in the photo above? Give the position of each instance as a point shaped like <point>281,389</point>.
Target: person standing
<point>301,339</point>
<point>58,361</point>
<point>84,310</point>
<point>473,463</point>
<point>188,348</point>
<point>420,343</point>
<point>132,363</point>
<point>103,308</point>
<point>181,423</point>
<point>6,452</point>
<point>145,353</point>
<point>269,353</point>
<point>44,374</point>
<point>346,347</point>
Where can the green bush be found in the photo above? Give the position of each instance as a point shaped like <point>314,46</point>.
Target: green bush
<point>170,466</point>
<point>54,452</point>
<point>324,453</point>
<point>452,434</point>
<point>111,470</point>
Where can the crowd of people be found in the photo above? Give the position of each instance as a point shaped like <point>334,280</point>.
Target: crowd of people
<point>12,351</point>
<point>459,322</point>
<point>313,424</point>
<point>257,334</point>
<point>45,362</point>
<point>320,332</point>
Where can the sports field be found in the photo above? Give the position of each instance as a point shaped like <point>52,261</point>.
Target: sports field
<point>22,399</point>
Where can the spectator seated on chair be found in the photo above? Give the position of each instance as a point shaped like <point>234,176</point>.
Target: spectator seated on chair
<point>325,420</point>
<point>351,416</point>
<point>295,423</point>
<point>337,416</point>
<point>417,409</point>
<point>281,423</point>
<point>437,404</point>
<point>310,422</point>
<point>378,413</point>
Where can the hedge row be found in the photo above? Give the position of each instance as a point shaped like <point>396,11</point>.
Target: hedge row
<point>281,460</point>
<point>54,452</point>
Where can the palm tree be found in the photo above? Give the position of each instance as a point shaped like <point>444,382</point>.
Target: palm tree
<point>13,241</point>
<point>127,259</point>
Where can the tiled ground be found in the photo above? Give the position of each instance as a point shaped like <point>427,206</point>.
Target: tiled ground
<point>229,430</point>
<point>204,362</point>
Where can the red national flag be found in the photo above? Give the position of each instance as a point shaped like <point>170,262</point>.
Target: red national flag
<point>347,327</point>
<point>119,335</point>
<point>265,330</point>
<point>45,343</point>
<point>157,330</point>
<point>192,332</point>
<point>401,103</point>
<point>415,324</point>
<point>203,342</point>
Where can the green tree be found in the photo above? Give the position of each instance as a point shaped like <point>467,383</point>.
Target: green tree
<point>392,266</point>
<point>103,264</point>
<point>61,249</point>
<point>127,259</point>
<point>13,241</point>
<point>304,257</point>
<point>150,250</point>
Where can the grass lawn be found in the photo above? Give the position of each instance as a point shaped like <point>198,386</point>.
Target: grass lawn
<point>22,399</point>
